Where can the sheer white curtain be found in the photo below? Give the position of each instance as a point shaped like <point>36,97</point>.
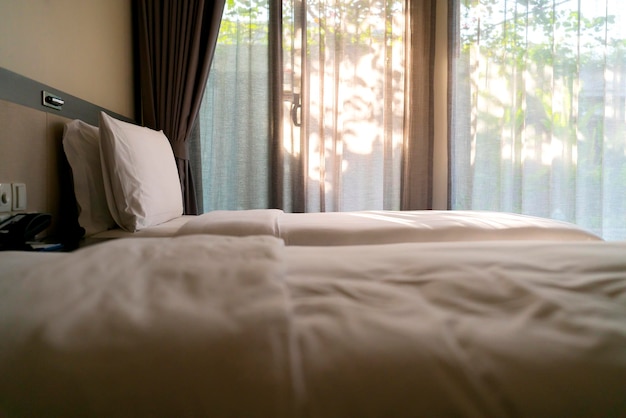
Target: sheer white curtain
<point>308,102</point>
<point>233,119</point>
<point>344,73</point>
<point>538,113</point>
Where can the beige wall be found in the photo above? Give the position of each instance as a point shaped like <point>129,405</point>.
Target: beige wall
<point>81,47</point>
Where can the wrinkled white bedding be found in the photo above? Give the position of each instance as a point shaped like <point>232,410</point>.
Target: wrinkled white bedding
<point>383,227</point>
<point>246,327</point>
<point>166,229</point>
<point>144,328</point>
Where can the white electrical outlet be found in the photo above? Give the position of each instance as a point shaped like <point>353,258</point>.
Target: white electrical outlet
<point>5,197</point>
<point>19,196</point>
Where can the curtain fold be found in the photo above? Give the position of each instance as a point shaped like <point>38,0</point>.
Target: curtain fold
<point>276,188</point>
<point>175,43</point>
<point>417,168</point>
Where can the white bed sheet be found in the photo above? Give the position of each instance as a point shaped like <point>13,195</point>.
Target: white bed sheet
<point>226,326</point>
<point>383,227</point>
<point>166,229</point>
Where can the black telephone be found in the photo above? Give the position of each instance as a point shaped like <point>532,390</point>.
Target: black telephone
<point>18,229</point>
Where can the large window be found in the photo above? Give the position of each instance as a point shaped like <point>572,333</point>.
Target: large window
<point>234,114</point>
<point>538,122</point>
<point>344,62</point>
<point>343,107</point>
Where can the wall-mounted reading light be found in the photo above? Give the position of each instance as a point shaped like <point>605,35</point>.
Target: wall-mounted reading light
<point>50,100</point>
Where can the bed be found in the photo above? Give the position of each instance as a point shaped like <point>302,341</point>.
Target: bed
<point>362,227</point>
<point>262,313</point>
<point>382,227</point>
<point>126,185</point>
<point>207,325</point>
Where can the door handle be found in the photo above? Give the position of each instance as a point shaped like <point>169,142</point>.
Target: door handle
<point>296,110</point>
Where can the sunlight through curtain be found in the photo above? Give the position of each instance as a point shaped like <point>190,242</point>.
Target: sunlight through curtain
<point>346,63</point>
<point>322,124</point>
<point>538,114</point>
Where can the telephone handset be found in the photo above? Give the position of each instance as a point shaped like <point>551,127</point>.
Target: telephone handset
<point>18,229</point>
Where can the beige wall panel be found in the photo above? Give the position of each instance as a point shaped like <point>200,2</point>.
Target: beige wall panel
<point>83,48</point>
<point>32,153</point>
<point>24,157</point>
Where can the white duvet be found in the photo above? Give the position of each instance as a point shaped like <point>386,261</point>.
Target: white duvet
<point>383,227</point>
<point>246,327</point>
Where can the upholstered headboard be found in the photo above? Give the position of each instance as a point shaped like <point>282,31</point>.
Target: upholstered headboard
<point>31,146</point>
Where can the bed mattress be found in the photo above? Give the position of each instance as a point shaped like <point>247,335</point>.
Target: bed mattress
<point>383,227</point>
<point>166,229</point>
<point>363,227</point>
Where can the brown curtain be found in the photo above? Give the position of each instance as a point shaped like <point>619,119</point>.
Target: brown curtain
<point>276,103</point>
<point>175,43</point>
<point>417,168</point>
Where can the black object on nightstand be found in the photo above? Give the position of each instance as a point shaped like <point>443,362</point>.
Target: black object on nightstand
<point>17,230</point>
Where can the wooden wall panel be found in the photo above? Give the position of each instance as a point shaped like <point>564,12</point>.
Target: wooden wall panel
<point>31,153</point>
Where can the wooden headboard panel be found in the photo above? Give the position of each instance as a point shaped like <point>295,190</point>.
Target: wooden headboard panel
<point>31,149</point>
<point>31,153</point>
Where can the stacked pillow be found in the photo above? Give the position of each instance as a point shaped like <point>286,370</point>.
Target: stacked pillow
<point>81,143</point>
<point>123,174</point>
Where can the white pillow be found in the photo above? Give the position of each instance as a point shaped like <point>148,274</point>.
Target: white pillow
<point>140,175</point>
<point>81,144</point>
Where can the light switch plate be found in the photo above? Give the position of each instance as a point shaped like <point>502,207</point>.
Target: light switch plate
<point>5,197</point>
<point>19,196</point>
